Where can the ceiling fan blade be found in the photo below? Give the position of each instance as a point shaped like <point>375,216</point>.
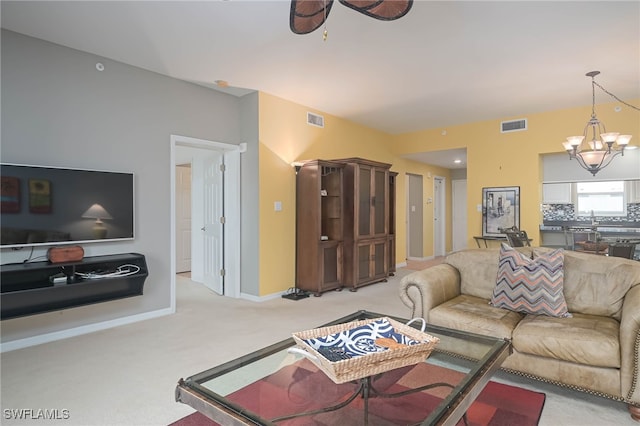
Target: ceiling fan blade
<point>385,10</point>
<point>308,15</point>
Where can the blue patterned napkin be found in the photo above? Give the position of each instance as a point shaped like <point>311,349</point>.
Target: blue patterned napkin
<point>361,340</point>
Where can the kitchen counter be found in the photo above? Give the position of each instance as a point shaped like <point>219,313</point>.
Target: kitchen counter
<point>566,234</point>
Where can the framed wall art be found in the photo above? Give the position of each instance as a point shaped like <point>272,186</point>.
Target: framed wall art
<point>500,209</point>
<point>39,196</point>
<point>10,195</point>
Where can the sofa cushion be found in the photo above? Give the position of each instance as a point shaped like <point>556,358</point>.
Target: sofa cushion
<point>596,285</point>
<point>583,339</point>
<point>478,269</point>
<point>475,315</point>
<point>530,286</point>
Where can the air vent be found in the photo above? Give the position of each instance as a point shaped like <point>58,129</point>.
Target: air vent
<point>513,126</point>
<point>315,119</point>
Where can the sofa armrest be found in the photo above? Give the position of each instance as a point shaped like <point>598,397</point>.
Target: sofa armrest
<point>423,290</point>
<point>630,346</point>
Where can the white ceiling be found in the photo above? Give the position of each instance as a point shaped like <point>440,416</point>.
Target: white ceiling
<point>444,63</point>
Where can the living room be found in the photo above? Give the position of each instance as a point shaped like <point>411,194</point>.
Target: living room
<point>58,109</point>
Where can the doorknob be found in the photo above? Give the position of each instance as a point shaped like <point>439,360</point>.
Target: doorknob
<point>203,228</point>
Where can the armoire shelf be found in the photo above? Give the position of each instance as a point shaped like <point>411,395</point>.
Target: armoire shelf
<point>27,288</point>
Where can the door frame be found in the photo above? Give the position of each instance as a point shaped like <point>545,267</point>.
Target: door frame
<point>231,154</point>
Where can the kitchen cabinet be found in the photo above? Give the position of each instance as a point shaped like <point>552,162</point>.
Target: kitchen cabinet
<point>556,193</point>
<point>633,191</point>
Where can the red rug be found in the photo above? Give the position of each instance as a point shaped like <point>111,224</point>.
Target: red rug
<point>302,387</point>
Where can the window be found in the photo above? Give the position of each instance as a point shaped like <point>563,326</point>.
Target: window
<point>601,198</point>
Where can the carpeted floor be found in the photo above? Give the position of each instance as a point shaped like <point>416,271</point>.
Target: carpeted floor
<point>302,387</point>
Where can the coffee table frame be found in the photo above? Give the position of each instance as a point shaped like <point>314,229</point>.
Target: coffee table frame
<point>190,391</point>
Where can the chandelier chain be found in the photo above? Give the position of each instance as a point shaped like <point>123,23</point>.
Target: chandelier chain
<point>614,97</point>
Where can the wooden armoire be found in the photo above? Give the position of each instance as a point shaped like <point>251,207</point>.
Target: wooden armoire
<point>319,226</point>
<point>345,224</point>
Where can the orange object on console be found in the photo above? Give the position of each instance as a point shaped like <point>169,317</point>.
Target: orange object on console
<point>65,254</point>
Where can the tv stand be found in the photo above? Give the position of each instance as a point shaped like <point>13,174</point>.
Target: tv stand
<point>33,288</point>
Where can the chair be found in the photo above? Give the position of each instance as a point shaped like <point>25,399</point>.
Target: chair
<point>516,237</point>
<point>620,249</point>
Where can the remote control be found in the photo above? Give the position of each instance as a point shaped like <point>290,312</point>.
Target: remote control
<point>334,354</point>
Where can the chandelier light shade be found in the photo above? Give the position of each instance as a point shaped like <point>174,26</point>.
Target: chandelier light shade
<point>596,147</point>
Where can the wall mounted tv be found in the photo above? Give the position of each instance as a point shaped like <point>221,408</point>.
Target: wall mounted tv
<point>51,206</point>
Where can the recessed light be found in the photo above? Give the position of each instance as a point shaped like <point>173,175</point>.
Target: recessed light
<point>457,161</point>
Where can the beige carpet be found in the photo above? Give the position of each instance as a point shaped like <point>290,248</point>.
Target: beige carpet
<point>127,375</point>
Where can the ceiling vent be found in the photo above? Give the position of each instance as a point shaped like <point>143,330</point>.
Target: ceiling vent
<point>315,119</point>
<point>513,126</point>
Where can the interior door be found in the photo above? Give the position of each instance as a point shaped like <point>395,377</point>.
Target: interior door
<point>183,218</point>
<point>213,226</point>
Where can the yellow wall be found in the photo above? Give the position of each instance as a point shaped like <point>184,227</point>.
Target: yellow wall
<point>514,159</point>
<point>493,158</point>
<point>286,137</point>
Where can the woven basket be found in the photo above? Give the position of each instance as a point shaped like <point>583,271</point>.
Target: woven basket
<point>593,246</point>
<point>370,364</point>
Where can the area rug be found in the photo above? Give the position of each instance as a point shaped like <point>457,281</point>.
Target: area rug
<point>302,387</point>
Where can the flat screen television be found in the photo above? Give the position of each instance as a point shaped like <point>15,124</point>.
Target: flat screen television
<point>50,206</point>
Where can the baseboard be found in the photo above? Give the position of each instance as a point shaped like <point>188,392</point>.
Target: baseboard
<point>13,345</point>
<point>254,298</point>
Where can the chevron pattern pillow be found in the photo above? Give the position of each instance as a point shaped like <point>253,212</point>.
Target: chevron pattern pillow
<point>530,286</point>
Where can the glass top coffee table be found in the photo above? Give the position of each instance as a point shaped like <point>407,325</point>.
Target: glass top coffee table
<point>273,386</point>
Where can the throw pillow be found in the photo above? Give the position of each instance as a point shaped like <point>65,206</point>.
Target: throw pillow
<point>530,286</point>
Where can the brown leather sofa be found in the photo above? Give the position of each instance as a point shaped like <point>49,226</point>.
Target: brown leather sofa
<point>596,350</point>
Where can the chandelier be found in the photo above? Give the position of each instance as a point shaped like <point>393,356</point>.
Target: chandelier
<point>594,155</point>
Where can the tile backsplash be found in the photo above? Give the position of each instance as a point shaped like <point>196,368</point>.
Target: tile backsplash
<point>566,212</point>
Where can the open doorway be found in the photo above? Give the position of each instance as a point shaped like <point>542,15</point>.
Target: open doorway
<point>183,219</point>
<point>415,217</point>
<point>213,253</point>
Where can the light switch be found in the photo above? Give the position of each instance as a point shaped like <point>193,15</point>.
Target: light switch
<point>413,208</point>
<point>277,206</point>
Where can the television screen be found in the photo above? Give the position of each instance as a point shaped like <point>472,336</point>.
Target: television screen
<point>50,206</point>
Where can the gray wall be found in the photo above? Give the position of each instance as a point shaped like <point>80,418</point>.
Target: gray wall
<point>249,199</point>
<point>58,110</point>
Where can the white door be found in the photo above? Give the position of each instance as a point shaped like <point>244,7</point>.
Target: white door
<point>438,216</point>
<point>213,226</point>
<point>183,218</point>
<point>459,213</point>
